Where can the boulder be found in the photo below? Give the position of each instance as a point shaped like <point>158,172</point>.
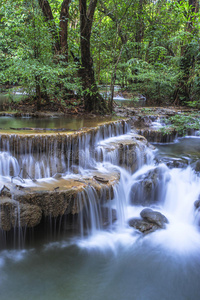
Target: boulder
<point>154,217</point>
<point>150,222</point>
<point>142,225</point>
<point>149,187</point>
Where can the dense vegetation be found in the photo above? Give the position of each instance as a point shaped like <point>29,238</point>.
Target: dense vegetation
<point>62,49</point>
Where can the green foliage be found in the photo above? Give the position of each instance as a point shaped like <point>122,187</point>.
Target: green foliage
<point>155,81</point>
<point>29,59</point>
<point>160,49</point>
<point>182,122</point>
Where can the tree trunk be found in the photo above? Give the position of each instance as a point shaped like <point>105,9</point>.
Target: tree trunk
<point>64,16</point>
<point>38,92</point>
<point>93,101</point>
<point>139,28</point>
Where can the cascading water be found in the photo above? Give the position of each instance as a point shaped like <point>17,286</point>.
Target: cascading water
<point>110,259</point>
<point>39,156</point>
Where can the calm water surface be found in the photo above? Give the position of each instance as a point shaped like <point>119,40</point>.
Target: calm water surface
<point>69,123</point>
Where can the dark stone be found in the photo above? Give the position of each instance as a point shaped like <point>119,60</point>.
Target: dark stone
<point>197,166</point>
<point>156,136</point>
<point>176,163</point>
<point>143,226</point>
<point>141,121</point>
<point>197,204</point>
<point>149,188</point>
<point>155,217</point>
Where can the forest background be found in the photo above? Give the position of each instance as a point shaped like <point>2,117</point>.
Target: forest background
<point>57,50</point>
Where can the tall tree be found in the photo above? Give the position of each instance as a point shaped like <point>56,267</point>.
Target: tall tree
<point>93,101</point>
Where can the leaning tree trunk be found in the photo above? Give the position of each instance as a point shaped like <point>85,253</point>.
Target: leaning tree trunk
<point>93,101</point>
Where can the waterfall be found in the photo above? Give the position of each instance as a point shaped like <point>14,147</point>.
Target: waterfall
<point>107,176</point>
<point>119,221</point>
<point>40,156</point>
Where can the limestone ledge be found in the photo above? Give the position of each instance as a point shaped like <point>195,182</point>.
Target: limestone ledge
<point>157,136</point>
<point>24,206</point>
<point>20,143</point>
<point>128,151</point>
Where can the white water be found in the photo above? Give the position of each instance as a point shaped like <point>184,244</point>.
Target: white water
<point>182,233</point>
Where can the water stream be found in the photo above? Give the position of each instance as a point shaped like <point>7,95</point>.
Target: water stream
<point>118,262</point>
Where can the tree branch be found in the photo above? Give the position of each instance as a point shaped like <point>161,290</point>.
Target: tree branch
<point>91,9</point>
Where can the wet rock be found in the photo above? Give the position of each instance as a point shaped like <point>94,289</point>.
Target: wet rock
<point>15,214</point>
<point>5,191</point>
<point>56,198</point>
<point>150,222</point>
<point>149,187</point>
<point>157,136</point>
<point>176,163</point>
<point>143,226</point>
<point>141,121</point>
<point>154,217</point>
<point>197,203</point>
<point>129,152</point>
<point>197,166</point>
